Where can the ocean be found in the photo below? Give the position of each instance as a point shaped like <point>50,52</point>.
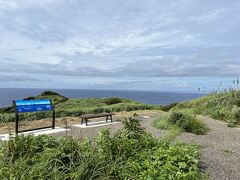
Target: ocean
<point>150,97</point>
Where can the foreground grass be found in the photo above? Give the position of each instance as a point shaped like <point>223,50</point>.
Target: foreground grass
<point>130,153</point>
<point>75,107</point>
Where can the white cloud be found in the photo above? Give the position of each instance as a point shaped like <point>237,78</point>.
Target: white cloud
<point>16,4</point>
<point>128,39</point>
<point>212,16</point>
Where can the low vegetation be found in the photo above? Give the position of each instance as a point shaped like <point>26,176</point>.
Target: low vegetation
<point>181,121</point>
<point>222,106</point>
<point>75,107</point>
<point>130,153</point>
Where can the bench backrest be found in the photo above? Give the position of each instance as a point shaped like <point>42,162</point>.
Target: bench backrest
<point>96,115</point>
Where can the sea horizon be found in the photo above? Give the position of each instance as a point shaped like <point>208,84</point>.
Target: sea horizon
<point>161,97</point>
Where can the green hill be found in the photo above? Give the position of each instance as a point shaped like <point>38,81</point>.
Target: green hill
<point>222,106</point>
<point>75,107</point>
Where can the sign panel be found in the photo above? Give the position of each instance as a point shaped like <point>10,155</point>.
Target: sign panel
<point>23,106</point>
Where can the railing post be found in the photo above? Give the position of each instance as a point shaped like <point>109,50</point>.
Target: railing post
<point>53,120</point>
<point>53,115</point>
<point>17,117</point>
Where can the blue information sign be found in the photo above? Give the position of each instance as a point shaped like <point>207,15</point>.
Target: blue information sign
<point>23,106</point>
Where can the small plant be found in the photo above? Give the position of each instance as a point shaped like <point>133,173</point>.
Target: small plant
<point>65,122</point>
<point>133,127</point>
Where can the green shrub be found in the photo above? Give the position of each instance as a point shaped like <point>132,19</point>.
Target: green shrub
<point>162,123</point>
<point>98,110</point>
<point>133,127</point>
<point>7,117</point>
<point>113,100</point>
<point>130,153</point>
<point>167,108</point>
<point>221,106</point>
<point>50,93</point>
<point>29,98</point>
<point>175,116</point>
<point>188,123</point>
<point>7,110</point>
<point>185,121</point>
<point>236,114</point>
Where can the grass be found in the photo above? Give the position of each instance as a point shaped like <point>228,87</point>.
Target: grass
<point>223,106</point>
<point>75,107</point>
<point>181,121</point>
<point>130,153</point>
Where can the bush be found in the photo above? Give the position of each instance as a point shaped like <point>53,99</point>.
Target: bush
<point>133,127</point>
<point>7,110</point>
<point>113,100</point>
<point>29,98</point>
<point>162,123</point>
<point>175,116</point>
<point>188,123</point>
<point>185,121</point>
<point>236,114</point>
<point>7,117</point>
<point>167,108</point>
<point>130,153</point>
<point>50,93</point>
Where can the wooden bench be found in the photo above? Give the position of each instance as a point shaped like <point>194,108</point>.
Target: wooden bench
<point>91,116</point>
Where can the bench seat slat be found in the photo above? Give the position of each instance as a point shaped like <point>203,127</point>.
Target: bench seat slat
<point>89,116</point>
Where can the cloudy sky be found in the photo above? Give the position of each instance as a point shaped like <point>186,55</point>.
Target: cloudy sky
<point>119,44</point>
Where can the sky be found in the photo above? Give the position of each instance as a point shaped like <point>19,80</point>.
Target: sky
<point>119,44</point>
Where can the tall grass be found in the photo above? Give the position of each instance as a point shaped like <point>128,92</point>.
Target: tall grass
<point>130,153</point>
<point>181,121</point>
<point>222,105</point>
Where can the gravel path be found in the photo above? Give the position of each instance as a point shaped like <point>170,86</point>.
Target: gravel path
<point>220,149</point>
<point>147,118</point>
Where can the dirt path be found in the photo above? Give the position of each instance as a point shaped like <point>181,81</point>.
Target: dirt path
<point>60,122</point>
<point>220,149</point>
<point>147,118</point>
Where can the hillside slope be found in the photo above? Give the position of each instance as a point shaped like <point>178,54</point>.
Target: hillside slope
<point>223,106</point>
<point>75,107</point>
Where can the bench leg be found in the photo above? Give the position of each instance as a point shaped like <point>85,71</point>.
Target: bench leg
<point>83,121</point>
<point>109,118</point>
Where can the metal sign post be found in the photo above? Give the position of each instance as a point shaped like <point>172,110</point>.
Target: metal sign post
<point>28,106</point>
